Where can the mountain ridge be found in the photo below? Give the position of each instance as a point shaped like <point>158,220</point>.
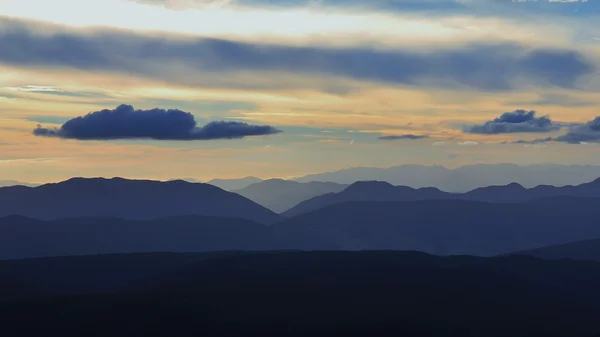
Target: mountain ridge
<point>383,191</point>
<point>127,199</point>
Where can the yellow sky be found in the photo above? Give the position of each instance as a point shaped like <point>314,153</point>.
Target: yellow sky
<point>330,121</point>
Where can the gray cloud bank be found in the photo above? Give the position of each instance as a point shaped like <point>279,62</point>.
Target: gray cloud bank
<point>583,133</point>
<point>515,122</point>
<point>189,61</point>
<point>588,132</point>
<point>125,122</point>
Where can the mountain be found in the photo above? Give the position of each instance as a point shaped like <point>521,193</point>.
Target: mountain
<point>382,191</point>
<point>465,178</point>
<point>127,199</point>
<point>234,184</point>
<point>7,183</point>
<point>443,227</point>
<point>280,195</point>
<point>580,250</point>
<point>367,191</point>
<point>22,237</point>
<point>300,294</point>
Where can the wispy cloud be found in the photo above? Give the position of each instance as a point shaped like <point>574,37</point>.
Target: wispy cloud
<point>34,88</point>
<point>498,66</point>
<point>468,143</point>
<point>404,137</point>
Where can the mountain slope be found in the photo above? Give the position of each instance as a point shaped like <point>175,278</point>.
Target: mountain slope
<point>234,184</point>
<point>580,250</point>
<point>366,191</point>
<point>280,195</point>
<point>516,193</point>
<point>127,199</point>
<point>23,237</point>
<point>511,193</point>
<point>444,226</point>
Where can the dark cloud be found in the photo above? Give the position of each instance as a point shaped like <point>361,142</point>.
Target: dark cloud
<point>583,133</point>
<point>125,122</point>
<point>500,66</point>
<point>400,137</point>
<point>577,133</point>
<point>514,122</point>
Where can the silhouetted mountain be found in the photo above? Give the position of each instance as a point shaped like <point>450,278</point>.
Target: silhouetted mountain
<point>280,195</point>
<point>444,226</point>
<point>511,193</point>
<point>22,237</point>
<point>304,294</point>
<point>517,193</point>
<point>127,199</point>
<point>367,191</point>
<point>7,183</point>
<point>580,250</point>
<point>464,178</point>
<point>234,184</point>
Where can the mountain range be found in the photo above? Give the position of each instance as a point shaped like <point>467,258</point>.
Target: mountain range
<point>7,183</point>
<point>443,227</point>
<point>464,178</point>
<point>511,193</point>
<point>233,184</point>
<point>127,199</point>
<point>96,216</point>
<point>456,180</point>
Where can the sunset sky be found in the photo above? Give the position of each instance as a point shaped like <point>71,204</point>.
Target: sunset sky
<point>320,85</point>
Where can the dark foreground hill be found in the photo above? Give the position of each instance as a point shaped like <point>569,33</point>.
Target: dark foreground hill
<point>127,199</point>
<point>580,250</point>
<point>301,294</point>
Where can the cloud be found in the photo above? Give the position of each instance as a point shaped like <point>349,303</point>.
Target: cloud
<point>432,7</point>
<point>515,122</point>
<point>125,122</point>
<point>48,119</point>
<point>33,88</point>
<point>193,61</point>
<point>554,99</point>
<point>401,137</point>
<point>531,142</point>
<point>582,133</point>
<point>468,143</point>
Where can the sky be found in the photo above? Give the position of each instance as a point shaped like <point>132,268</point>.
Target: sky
<point>165,89</point>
